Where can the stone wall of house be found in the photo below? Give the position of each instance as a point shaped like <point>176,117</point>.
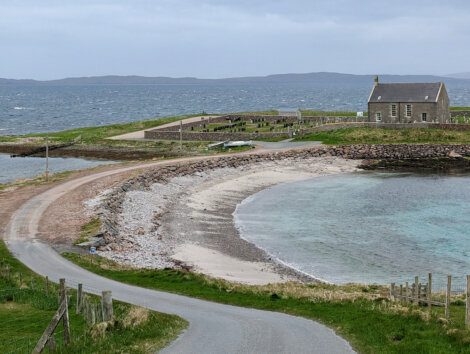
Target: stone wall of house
<point>430,108</point>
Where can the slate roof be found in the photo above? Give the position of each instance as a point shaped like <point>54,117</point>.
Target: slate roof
<point>405,92</point>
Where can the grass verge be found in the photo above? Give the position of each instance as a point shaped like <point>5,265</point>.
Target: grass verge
<point>361,314</point>
<point>26,309</point>
<point>367,135</point>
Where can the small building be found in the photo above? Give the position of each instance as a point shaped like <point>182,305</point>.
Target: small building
<point>409,103</point>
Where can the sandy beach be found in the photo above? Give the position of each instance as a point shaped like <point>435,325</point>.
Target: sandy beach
<point>188,220</point>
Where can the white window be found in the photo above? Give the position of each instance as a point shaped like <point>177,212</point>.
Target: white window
<point>408,110</point>
<point>393,110</point>
<point>378,116</point>
<point>424,117</point>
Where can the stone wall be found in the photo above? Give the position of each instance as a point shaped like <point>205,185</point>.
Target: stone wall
<point>213,136</point>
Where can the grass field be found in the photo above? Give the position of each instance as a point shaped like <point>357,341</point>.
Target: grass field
<point>389,136</point>
<point>26,310</point>
<point>362,314</point>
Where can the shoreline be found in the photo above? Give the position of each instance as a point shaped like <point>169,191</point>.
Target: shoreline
<point>189,220</point>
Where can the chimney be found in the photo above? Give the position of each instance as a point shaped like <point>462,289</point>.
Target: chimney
<point>376,80</point>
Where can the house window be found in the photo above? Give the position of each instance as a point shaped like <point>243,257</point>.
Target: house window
<point>408,110</point>
<point>393,110</point>
<point>378,116</point>
<point>424,117</point>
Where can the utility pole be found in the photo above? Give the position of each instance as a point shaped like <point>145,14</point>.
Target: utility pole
<point>47,158</point>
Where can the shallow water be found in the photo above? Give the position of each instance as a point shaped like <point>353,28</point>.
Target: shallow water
<point>12,169</point>
<point>365,227</point>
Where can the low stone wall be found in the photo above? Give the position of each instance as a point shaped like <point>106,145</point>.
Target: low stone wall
<point>213,136</point>
<point>113,203</point>
<point>460,113</point>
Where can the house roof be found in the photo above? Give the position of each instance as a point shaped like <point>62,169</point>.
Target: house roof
<point>423,92</point>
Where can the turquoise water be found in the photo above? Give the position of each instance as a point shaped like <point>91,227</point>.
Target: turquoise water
<point>12,169</point>
<point>365,227</point>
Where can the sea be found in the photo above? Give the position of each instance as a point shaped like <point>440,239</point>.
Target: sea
<point>365,227</point>
<point>42,108</point>
<point>18,168</point>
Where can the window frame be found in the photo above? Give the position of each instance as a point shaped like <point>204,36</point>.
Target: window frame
<point>424,117</point>
<point>410,106</point>
<point>378,116</point>
<point>393,107</point>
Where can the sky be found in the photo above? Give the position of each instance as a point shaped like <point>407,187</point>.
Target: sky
<point>50,39</point>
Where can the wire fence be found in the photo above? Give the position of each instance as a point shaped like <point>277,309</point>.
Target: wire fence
<point>29,302</point>
<point>431,292</point>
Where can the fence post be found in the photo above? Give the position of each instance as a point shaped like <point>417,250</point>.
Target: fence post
<point>392,291</point>
<point>79,298</point>
<point>416,290</point>
<point>467,303</point>
<point>401,292</point>
<point>429,294</point>
<point>449,287</point>
<point>407,289</point>
<point>65,318</point>
<point>47,285</point>
<point>107,305</point>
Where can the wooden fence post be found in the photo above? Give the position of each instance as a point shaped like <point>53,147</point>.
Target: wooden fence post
<point>401,292</point>
<point>449,287</point>
<point>79,298</point>
<point>467,303</point>
<point>65,317</point>
<point>416,290</point>
<point>407,289</point>
<point>50,328</point>
<point>429,290</point>
<point>47,285</point>
<point>107,305</point>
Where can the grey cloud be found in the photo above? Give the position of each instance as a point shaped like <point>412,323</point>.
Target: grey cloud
<point>215,38</point>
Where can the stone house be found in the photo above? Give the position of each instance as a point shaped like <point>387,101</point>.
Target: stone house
<point>409,103</point>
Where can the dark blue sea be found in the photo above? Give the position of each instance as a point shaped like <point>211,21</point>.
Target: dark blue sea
<point>28,109</point>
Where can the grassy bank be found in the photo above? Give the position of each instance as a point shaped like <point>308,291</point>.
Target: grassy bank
<point>26,309</point>
<point>389,136</point>
<point>362,314</point>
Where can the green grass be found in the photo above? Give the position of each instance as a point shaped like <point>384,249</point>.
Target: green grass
<point>90,229</point>
<point>460,108</point>
<point>310,112</point>
<point>26,310</point>
<point>95,135</point>
<point>360,313</point>
<point>389,136</point>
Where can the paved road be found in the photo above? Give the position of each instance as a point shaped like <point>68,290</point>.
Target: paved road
<point>214,328</point>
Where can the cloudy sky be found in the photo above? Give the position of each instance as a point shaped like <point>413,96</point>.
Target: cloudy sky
<point>50,39</point>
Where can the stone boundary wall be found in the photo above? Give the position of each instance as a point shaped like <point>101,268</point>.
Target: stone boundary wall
<point>460,113</point>
<point>112,206</point>
<point>335,126</point>
<point>157,134</point>
<point>213,136</point>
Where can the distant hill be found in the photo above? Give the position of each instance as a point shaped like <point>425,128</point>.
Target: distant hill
<point>320,78</point>
<point>460,75</point>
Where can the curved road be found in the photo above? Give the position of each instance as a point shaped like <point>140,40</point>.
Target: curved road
<point>214,328</point>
